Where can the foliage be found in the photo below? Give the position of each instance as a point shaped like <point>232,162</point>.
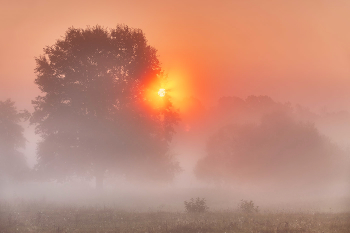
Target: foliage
<point>280,150</point>
<point>12,161</point>
<point>94,115</point>
<point>248,207</point>
<point>196,206</point>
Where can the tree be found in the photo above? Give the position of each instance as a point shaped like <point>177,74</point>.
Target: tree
<point>196,206</point>
<point>12,162</point>
<point>95,114</point>
<point>279,150</point>
<point>248,207</point>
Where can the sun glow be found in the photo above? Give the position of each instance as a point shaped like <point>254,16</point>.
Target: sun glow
<point>161,92</point>
<point>170,89</point>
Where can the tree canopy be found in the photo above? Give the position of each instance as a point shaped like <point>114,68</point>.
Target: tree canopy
<point>278,150</point>
<point>94,114</point>
<point>13,164</point>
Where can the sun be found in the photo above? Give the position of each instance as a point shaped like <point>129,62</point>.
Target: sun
<point>161,92</point>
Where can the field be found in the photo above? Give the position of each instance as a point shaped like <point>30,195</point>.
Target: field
<point>37,217</point>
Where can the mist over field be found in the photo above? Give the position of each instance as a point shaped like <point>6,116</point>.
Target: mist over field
<point>128,107</point>
<point>289,158</point>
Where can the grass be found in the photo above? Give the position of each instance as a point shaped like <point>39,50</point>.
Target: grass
<point>37,217</point>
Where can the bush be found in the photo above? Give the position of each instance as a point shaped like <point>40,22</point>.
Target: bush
<point>248,207</point>
<point>196,206</point>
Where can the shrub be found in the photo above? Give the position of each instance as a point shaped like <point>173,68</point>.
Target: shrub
<point>196,206</point>
<point>248,207</point>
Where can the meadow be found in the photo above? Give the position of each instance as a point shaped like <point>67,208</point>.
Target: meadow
<point>38,217</point>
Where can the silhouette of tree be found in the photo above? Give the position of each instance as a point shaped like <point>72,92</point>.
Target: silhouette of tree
<point>94,115</point>
<point>279,150</point>
<point>12,162</point>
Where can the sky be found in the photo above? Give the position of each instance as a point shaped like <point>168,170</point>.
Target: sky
<point>294,51</point>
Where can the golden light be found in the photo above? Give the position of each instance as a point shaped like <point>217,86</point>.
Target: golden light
<point>174,87</point>
<point>161,92</point>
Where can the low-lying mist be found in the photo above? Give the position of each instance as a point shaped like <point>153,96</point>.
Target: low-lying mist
<point>281,156</point>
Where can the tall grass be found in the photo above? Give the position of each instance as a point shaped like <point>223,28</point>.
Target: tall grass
<point>37,217</point>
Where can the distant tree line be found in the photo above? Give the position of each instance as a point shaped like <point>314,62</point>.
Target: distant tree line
<point>262,142</point>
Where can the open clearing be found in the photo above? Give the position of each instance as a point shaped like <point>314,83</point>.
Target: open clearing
<point>36,217</point>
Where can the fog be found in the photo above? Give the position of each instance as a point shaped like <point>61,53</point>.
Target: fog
<point>256,104</point>
<point>304,165</point>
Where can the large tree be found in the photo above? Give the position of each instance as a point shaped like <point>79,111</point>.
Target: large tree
<point>13,164</point>
<point>95,113</point>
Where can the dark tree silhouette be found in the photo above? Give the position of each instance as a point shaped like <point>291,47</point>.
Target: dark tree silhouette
<point>94,115</point>
<point>279,150</point>
<point>13,165</point>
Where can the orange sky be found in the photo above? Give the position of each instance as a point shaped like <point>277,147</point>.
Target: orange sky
<point>297,51</point>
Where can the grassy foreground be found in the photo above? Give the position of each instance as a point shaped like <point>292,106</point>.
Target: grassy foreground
<point>58,219</point>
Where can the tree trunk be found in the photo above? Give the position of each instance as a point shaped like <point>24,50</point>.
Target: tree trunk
<point>99,180</point>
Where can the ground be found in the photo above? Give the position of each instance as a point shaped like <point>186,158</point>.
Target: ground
<point>38,217</point>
